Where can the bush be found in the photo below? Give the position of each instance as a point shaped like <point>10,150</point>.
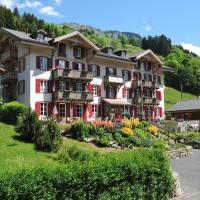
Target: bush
<point>80,130</point>
<point>11,110</point>
<point>143,174</point>
<point>27,125</point>
<point>140,133</point>
<point>48,136</point>
<point>161,144</point>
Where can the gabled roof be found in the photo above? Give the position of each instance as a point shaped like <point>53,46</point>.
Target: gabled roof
<point>75,33</point>
<point>186,105</point>
<point>24,36</point>
<point>144,53</point>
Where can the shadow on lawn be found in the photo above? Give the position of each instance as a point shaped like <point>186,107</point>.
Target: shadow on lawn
<point>20,138</point>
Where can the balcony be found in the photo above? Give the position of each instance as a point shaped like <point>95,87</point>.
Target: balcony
<point>151,101</point>
<point>72,96</point>
<point>9,76</point>
<point>72,74</point>
<point>137,100</point>
<point>8,55</point>
<point>148,84</point>
<point>136,83</point>
<point>113,79</point>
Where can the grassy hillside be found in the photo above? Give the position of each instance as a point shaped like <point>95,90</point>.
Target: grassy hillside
<point>16,154</point>
<point>173,96</point>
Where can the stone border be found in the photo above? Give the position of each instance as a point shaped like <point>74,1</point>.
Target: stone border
<point>180,153</point>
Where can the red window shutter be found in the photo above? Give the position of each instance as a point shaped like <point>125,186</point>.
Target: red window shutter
<point>38,62</point>
<point>37,108</point>
<point>85,112</point>
<point>157,95</point>
<point>49,63</point>
<point>50,109</point>
<point>161,112</point>
<point>57,66</point>
<point>74,110</point>
<point>90,110</point>
<point>99,110</point>
<point>68,109</point>
<point>50,86</point>
<point>90,88</point>
<point>37,86</point>
<point>99,90</point>
<point>160,96</point>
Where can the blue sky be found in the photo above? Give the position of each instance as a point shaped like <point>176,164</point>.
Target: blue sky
<point>177,19</point>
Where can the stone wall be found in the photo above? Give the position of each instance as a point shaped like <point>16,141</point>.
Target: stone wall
<point>176,191</point>
<point>180,153</point>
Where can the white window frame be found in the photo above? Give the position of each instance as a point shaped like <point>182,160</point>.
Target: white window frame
<point>110,51</point>
<point>43,63</point>
<point>80,66</point>
<point>148,94</point>
<point>94,110</point>
<point>79,87</point>
<point>40,37</point>
<point>112,72</point>
<point>94,72</point>
<point>138,93</point>
<point>62,86</point>
<point>125,75</point>
<point>111,92</point>
<point>61,63</point>
<point>95,90</point>
<point>79,52</point>
<point>79,107</point>
<point>62,110</point>
<point>43,86</point>
<point>44,109</point>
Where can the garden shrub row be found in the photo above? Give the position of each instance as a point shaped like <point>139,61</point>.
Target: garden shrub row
<point>138,175</point>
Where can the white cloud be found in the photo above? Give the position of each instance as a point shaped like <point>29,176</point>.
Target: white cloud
<point>7,3</point>
<point>147,26</point>
<point>29,4</point>
<point>48,10</point>
<point>191,48</point>
<point>58,2</point>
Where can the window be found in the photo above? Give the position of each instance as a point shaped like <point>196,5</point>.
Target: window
<point>21,65</point>
<point>94,70</point>
<point>40,37</point>
<point>43,86</point>
<point>125,76</point>
<point>62,86</point>
<point>79,111</point>
<point>43,63</point>
<point>94,90</point>
<point>44,109</point>
<point>137,93</point>
<point>148,94</point>
<point>78,52</point>
<point>21,87</point>
<point>62,50</point>
<point>111,71</point>
<point>79,87</point>
<point>110,92</point>
<point>62,110</point>
<point>94,111</point>
<point>126,93</point>
<point>62,64</point>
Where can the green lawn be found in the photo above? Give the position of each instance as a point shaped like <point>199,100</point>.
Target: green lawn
<point>173,96</point>
<point>15,154</point>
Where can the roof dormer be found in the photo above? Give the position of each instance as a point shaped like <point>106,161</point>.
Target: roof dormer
<point>121,53</point>
<point>108,50</point>
<point>39,35</point>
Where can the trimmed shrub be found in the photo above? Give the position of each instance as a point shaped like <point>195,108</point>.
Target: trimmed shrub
<point>79,130</point>
<point>27,125</point>
<point>11,110</point>
<point>143,174</point>
<point>48,136</point>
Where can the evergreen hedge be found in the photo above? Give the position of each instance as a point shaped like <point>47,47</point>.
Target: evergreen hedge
<point>139,175</point>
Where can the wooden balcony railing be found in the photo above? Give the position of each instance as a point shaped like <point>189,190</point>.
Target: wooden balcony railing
<point>146,100</point>
<point>72,74</point>
<point>113,79</point>
<point>72,96</point>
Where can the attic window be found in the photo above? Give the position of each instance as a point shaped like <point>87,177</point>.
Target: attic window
<point>40,37</point>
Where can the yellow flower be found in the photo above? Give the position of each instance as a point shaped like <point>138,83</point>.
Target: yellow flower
<point>135,122</point>
<point>126,131</point>
<point>153,130</point>
<point>127,123</point>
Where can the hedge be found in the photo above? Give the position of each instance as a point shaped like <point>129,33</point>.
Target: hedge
<point>10,111</point>
<point>144,174</point>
